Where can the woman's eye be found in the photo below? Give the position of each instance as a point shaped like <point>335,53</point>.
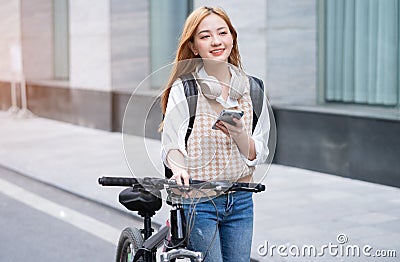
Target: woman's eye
<point>204,36</point>
<point>223,33</point>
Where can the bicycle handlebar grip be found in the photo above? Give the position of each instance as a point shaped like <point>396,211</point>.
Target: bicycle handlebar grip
<point>117,181</point>
<point>261,187</point>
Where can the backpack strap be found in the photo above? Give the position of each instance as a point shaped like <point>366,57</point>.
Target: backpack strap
<point>190,88</point>
<point>257,98</point>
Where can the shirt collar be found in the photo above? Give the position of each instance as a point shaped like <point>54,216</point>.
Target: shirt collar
<point>229,103</point>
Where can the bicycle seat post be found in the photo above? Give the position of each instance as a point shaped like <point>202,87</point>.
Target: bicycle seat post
<point>147,229</point>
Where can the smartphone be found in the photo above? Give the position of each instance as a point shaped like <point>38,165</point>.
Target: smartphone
<point>227,116</point>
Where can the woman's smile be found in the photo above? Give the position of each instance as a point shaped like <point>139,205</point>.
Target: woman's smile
<point>218,52</point>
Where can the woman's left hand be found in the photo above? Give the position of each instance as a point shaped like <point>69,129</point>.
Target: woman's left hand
<point>231,130</point>
<point>239,135</point>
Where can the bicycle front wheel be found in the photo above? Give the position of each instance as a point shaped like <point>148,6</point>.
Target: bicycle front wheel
<point>129,243</point>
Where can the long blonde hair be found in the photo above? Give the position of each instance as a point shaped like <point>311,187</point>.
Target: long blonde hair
<point>184,52</point>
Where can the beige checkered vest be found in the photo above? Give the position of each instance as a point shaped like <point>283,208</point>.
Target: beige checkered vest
<point>211,154</point>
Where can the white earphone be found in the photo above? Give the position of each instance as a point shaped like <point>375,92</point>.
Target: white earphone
<point>211,87</point>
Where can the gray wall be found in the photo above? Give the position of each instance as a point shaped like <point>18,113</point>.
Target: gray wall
<point>357,147</point>
<point>10,31</point>
<point>291,51</point>
<point>90,45</point>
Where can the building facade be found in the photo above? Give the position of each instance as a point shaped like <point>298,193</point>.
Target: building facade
<point>331,68</point>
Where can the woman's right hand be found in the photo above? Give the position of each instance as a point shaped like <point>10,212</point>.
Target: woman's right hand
<point>177,164</point>
<point>181,175</point>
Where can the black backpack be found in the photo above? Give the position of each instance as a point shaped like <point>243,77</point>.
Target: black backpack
<point>189,85</point>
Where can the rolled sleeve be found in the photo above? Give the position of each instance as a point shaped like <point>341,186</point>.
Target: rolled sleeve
<point>176,122</point>
<point>261,136</point>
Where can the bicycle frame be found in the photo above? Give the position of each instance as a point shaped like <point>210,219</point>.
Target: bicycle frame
<point>177,231</point>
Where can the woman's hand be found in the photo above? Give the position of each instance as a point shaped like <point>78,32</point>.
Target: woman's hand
<point>176,161</point>
<point>231,130</point>
<point>180,175</point>
<point>239,135</point>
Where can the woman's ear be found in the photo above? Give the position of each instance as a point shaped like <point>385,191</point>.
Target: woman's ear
<point>193,48</point>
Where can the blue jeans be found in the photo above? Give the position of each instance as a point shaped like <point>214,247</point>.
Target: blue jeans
<point>226,235</point>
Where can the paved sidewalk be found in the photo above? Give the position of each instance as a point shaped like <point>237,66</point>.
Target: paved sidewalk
<point>299,208</point>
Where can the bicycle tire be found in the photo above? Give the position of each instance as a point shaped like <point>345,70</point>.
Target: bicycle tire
<point>130,241</point>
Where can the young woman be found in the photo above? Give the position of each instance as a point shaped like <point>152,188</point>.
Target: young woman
<point>222,226</point>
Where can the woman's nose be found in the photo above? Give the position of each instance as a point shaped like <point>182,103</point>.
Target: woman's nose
<point>216,41</point>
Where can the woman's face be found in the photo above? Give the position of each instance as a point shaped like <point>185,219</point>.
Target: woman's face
<point>213,39</point>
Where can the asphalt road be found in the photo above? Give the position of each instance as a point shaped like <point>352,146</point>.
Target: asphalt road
<point>41,223</point>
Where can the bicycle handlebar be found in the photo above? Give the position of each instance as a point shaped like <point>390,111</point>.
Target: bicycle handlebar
<point>161,183</point>
<point>117,181</point>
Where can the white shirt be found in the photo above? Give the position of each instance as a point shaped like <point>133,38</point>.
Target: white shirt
<point>176,122</point>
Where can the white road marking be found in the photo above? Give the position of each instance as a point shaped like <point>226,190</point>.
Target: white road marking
<point>81,221</point>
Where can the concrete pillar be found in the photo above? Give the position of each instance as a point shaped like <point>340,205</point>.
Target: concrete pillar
<point>90,59</point>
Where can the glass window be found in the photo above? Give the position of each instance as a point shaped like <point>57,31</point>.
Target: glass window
<point>359,51</point>
<point>166,23</point>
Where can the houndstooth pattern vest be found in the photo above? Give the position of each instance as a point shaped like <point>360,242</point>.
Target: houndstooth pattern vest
<point>211,154</point>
